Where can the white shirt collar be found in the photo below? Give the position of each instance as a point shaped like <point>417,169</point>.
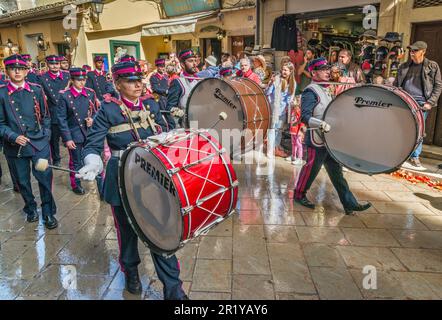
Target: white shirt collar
<point>16,86</point>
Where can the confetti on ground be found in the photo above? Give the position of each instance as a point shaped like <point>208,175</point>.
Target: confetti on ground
<point>416,178</point>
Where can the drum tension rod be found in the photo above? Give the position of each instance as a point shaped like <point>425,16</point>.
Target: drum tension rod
<point>247,95</point>
<point>188,209</point>
<point>176,170</point>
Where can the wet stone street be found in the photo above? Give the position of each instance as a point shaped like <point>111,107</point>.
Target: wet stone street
<point>269,249</point>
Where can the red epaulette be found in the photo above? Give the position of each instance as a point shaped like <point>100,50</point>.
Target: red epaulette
<point>89,89</point>
<point>108,98</point>
<point>146,97</point>
<point>35,85</point>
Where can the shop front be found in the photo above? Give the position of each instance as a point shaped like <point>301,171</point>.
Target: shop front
<point>209,33</point>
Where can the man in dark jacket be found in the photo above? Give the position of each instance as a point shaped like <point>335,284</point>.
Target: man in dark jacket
<point>421,78</point>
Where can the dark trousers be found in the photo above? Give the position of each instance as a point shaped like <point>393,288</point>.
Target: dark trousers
<point>21,168</point>
<point>75,163</point>
<point>167,268</point>
<point>55,142</point>
<point>13,178</point>
<point>316,157</point>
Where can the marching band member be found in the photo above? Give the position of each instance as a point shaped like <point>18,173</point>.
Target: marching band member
<point>53,82</point>
<point>96,80</point>
<point>25,127</point>
<point>122,121</point>
<point>32,74</point>
<point>78,105</point>
<point>64,63</point>
<point>314,100</point>
<point>159,83</point>
<point>181,87</point>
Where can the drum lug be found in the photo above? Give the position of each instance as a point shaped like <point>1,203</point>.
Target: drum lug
<point>173,171</point>
<point>186,210</point>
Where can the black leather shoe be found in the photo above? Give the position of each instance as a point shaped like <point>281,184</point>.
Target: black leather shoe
<point>359,207</point>
<point>79,190</point>
<point>305,202</point>
<point>32,217</point>
<point>50,222</point>
<point>133,283</point>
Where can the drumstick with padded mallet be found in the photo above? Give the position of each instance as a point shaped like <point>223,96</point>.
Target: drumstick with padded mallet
<point>221,117</point>
<point>43,164</point>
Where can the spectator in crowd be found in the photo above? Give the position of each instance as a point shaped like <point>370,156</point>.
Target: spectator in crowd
<point>304,76</point>
<point>351,72</point>
<point>172,71</point>
<point>260,66</point>
<point>333,59</point>
<point>224,58</point>
<point>225,72</point>
<point>247,72</point>
<point>173,59</point>
<point>378,79</point>
<point>210,69</point>
<point>199,61</point>
<point>297,130</point>
<point>421,78</point>
<point>280,92</point>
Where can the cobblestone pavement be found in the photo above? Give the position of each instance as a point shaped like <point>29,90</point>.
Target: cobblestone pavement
<point>270,249</point>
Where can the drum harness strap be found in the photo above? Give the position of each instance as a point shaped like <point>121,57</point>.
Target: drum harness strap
<point>145,119</point>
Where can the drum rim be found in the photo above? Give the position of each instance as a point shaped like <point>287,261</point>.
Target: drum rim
<point>186,119</point>
<point>128,210</point>
<point>269,109</point>
<point>246,119</point>
<point>385,171</point>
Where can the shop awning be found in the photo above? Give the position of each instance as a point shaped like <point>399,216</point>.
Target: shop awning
<point>174,26</point>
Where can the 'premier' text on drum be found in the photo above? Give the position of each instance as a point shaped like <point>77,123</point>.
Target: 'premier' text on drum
<point>360,102</point>
<point>156,174</point>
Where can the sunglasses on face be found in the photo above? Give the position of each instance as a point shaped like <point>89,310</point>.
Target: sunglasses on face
<point>414,50</point>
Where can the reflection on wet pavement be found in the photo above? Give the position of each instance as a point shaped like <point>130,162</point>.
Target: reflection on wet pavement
<point>270,249</point>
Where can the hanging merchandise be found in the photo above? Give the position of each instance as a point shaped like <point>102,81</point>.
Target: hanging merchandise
<point>284,34</point>
<point>380,64</point>
<point>391,37</point>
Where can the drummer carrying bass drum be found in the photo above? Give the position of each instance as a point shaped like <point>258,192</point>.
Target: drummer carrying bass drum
<point>121,122</point>
<point>314,101</point>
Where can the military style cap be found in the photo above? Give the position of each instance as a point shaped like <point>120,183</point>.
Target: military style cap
<point>127,70</point>
<point>15,61</point>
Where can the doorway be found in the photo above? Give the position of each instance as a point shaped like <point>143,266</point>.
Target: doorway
<point>431,33</point>
<point>211,46</point>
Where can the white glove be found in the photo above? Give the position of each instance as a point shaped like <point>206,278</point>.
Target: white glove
<point>315,123</point>
<point>93,165</point>
<point>177,112</point>
<point>324,127</point>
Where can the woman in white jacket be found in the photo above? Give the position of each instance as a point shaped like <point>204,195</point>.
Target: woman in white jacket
<point>280,93</point>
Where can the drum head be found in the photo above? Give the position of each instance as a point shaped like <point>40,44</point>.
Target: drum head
<point>207,100</point>
<point>151,201</point>
<point>372,131</point>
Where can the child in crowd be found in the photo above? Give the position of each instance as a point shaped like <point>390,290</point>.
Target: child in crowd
<point>297,130</point>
